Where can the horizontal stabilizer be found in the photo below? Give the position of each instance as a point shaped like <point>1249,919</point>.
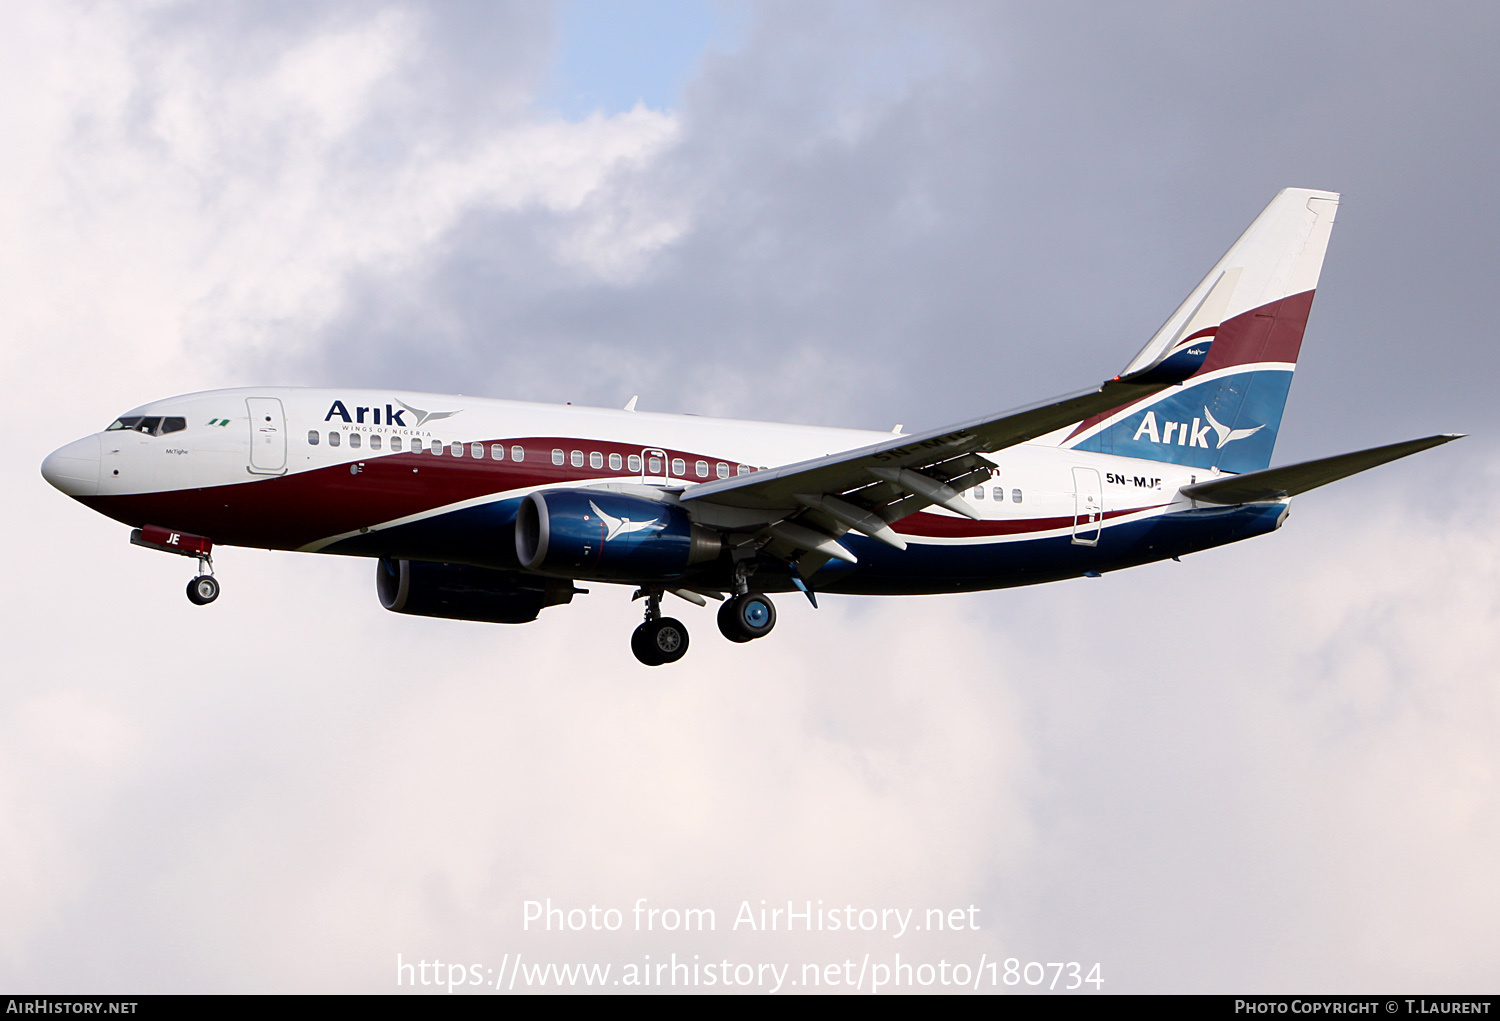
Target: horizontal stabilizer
<point>1291,479</point>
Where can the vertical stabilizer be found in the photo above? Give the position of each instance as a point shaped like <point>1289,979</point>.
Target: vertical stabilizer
<point>1250,313</point>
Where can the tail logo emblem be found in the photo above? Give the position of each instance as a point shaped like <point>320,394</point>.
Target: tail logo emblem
<point>622,526</point>
<point>1227,435</point>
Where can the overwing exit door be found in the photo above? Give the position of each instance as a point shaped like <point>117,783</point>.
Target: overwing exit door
<point>654,466</point>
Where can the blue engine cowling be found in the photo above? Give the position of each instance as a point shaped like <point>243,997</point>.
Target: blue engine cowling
<point>584,533</point>
<point>462,592</point>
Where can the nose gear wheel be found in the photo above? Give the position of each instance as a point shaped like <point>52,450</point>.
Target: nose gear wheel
<point>203,589</point>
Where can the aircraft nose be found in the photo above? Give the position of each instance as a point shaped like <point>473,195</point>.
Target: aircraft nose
<point>74,469</point>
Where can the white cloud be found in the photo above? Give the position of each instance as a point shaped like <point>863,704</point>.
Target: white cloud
<point>196,212</point>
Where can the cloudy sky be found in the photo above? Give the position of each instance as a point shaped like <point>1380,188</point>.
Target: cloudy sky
<point>1271,767</point>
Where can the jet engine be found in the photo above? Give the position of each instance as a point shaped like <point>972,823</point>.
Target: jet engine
<point>461,592</point>
<point>582,533</point>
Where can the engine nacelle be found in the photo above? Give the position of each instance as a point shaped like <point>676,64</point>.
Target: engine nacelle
<point>461,592</point>
<point>584,533</point>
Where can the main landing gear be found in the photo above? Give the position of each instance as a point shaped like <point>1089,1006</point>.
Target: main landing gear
<point>661,640</point>
<point>746,617</point>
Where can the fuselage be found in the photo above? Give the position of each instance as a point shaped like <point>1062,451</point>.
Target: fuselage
<point>428,477</point>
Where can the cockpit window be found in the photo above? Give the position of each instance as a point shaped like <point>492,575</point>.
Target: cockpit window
<point>153,425</point>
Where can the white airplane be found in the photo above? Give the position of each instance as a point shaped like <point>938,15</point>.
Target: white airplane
<point>492,510</point>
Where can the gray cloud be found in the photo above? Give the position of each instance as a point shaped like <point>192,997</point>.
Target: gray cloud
<point>996,186</point>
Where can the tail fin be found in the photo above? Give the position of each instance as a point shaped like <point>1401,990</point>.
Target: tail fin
<point>1250,311</point>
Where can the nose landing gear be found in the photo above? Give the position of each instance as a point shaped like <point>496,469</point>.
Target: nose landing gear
<point>204,588</point>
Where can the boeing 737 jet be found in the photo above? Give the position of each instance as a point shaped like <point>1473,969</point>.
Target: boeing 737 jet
<point>490,510</point>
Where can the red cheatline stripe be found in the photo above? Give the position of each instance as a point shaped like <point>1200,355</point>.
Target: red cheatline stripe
<point>937,526</point>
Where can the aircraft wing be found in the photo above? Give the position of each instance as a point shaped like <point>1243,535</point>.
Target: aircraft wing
<point>850,469</point>
<point>810,504</point>
<point>1291,479</point>
<point>800,510</point>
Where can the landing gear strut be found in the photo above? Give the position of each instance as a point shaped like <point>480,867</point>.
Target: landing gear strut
<point>204,588</point>
<point>659,640</point>
<point>746,617</point>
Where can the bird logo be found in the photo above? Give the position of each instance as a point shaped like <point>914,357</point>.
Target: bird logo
<point>1227,435</point>
<point>426,416</point>
<point>622,526</point>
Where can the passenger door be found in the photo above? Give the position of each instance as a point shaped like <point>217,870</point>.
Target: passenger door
<point>267,436</point>
<point>1088,506</point>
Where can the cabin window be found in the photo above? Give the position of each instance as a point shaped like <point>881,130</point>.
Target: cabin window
<point>375,442</point>
<point>577,459</point>
<point>722,470</point>
<point>476,450</point>
<point>312,437</point>
<point>979,493</point>
<point>702,469</point>
<point>999,494</point>
<point>396,443</point>
<point>615,463</point>
<point>354,439</point>
<point>634,462</point>
<point>333,439</point>
<point>742,469</point>
<point>1015,496</point>
<point>497,451</point>
<point>456,449</point>
<point>416,445</point>
<point>653,465</point>
<point>437,448</point>
<point>679,467</point>
<point>518,453</point>
<point>596,460</point>
<point>557,456</point>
